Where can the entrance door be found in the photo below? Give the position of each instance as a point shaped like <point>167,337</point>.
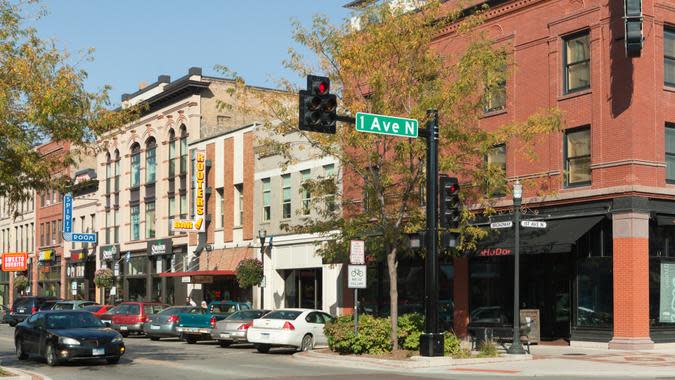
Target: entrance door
<point>309,288</point>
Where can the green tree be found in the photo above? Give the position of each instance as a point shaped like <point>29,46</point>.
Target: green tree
<point>42,98</point>
<point>392,65</point>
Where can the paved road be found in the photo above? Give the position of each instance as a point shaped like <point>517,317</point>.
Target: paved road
<point>172,359</point>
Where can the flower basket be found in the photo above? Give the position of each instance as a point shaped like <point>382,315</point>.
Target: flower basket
<point>20,283</point>
<point>249,273</point>
<point>103,278</point>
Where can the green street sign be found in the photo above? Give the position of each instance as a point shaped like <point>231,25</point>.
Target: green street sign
<point>386,125</point>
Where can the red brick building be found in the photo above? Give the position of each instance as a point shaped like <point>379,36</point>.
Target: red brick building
<point>603,270</point>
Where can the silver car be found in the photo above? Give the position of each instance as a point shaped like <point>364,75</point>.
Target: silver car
<point>164,323</point>
<point>233,328</point>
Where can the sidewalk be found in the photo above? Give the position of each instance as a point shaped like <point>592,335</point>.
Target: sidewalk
<point>21,374</point>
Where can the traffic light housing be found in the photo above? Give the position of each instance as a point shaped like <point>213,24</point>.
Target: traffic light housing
<point>317,106</point>
<point>450,204</point>
<point>633,27</point>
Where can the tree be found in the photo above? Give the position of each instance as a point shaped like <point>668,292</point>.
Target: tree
<point>391,65</point>
<point>42,98</point>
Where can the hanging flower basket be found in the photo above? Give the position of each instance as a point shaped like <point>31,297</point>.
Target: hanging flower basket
<point>249,273</point>
<point>104,278</point>
<point>20,283</point>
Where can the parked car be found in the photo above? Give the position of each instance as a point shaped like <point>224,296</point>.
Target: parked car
<point>130,316</point>
<point>61,336</point>
<point>298,328</point>
<point>233,328</point>
<point>98,310</point>
<point>71,305</point>
<point>164,323</point>
<point>197,324</point>
<point>24,307</point>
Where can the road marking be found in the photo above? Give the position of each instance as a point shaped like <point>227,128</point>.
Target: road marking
<point>504,371</point>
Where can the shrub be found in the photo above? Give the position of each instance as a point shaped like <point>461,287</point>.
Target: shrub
<point>20,283</point>
<point>487,349</point>
<point>410,328</point>
<point>103,278</point>
<point>249,273</point>
<point>453,346</point>
<point>372,338</point>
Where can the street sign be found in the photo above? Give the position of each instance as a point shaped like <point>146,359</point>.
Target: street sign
<point>67,213</point>
<point>533,224</point>
<point>386,125</point>
<point>127,257</point>
<point>506,224</point>
<point>81,238</point>
<point>357,276</point>
<point>357,252</point>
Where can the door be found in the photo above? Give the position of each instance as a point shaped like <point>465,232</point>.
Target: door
<point>31,334</point>
<point>315,322</point>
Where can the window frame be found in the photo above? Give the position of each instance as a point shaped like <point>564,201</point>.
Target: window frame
<point>503,167</point>
<point>566,65</point>
<point>286,196</point>
<point>566,158</point>
<point>150,161</point>
<point>668,31</point>
<point>150,223</point>
<point>668,126</point>
<point>135,166</point>
<point>135,222</point>
<point>306,195</point>
<point>266,204</point>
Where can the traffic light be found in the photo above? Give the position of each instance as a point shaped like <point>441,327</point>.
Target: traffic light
<point>317,106</point>
<point>633,27</point>
<point>450,204</point>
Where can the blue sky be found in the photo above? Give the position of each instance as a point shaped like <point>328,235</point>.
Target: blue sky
<point>137,40</point>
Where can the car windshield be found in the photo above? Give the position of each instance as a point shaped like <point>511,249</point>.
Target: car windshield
<point>246,315</point>
<point>288,315</point>
<point>22,303</point>
<point>223,308</point>
<point>128,309</point>
<point>63,306</point>
<point>92,308</point>
<point>175,310</point>
<point>77,320</point>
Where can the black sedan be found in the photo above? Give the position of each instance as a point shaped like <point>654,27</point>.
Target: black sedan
<point>61,336</point>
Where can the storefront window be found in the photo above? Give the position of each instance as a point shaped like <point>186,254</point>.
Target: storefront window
<point>49,277</point>
<point>137,266</point>
<point>594,292</point>
<point>662,272</point>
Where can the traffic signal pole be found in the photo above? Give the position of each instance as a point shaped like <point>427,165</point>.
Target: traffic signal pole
<point>431,342</point>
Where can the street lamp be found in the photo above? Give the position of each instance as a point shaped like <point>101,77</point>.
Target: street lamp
<point>516,347</point>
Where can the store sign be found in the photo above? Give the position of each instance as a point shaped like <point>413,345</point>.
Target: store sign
<point>109,252</point>
<point>200,191</point>
<point>46,255</point>
<point>494,252</point>
<point>14,262</point>
<point>667,298</point>
<point>160,247</point>
<point>202,279</point>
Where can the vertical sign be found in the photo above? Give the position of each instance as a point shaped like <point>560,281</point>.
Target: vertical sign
<point>667,299</point>
<point>357,250</point>
<point>68,213</point>
<point>200,191</point>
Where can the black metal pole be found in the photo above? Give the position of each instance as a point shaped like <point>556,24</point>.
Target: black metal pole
<point>516,347</point>
<point>262,260</point>
<point>431,342</point>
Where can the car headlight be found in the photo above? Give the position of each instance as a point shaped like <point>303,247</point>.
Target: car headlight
<point>117,339</point>
<point>69,341</point>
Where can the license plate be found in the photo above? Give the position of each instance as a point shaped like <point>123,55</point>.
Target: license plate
<point>190,329</point>
<point>123,328</point>
<point>21,311</point>
<point>98,351</point>
<point>226,336</point>
<point>264,335</point>
<point>153,327</point>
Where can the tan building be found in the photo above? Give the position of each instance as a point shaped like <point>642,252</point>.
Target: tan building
<point>17,234</point>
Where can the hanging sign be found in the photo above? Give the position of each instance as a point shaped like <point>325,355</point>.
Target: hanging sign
<point>200,191</point>
<point>15,262</point>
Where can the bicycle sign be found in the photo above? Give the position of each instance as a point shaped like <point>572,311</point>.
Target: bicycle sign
<point>357,276</point>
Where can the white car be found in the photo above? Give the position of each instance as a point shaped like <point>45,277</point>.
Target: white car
<point>299,328</point>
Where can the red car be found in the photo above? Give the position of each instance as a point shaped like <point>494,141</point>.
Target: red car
<point>97,310</point>
<point>129,316</point>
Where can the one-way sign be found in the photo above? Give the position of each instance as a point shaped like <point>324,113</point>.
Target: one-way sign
<point>505,224</point>
<point>533,224</point>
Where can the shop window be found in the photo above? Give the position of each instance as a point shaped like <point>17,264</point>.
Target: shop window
<point>669,56</point>
<point>594,292</point>
<point>306,196</point>
<point>286,194</point>
<point>495,160</point>
<point>577,150</point>
<point>670,153</point>
<point>577,62</point>
<point>150,220</point>
<point>150,161</point>
<point>135,223</point>
<point>135,165</point>
<point>267,198</point>
<point>137,266</point>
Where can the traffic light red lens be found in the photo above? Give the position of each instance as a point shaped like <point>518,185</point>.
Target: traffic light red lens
<point>454,188</point>
<point>323,88</point>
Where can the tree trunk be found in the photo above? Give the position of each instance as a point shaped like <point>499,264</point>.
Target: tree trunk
<point>393,296</point>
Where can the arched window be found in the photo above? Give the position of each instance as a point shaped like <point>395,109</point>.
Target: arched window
<point>172,153</point>
<point>183,150</point>
<point>150,160</point>
<point>108,173</point>
<point>135,165</point>
<point>116,171</point>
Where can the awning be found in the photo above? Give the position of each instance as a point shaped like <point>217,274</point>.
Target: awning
<point>199,273</point>
<point>558,237</point>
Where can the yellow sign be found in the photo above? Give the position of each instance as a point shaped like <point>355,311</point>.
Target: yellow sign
<point>182,225</point>
<point>200,191</point>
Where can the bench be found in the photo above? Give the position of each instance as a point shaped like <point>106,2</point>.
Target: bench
<point>499,334</point>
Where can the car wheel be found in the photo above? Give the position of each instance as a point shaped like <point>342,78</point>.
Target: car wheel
<point>12,324</point>
<point>224,343</point>
<point>190,340</point>
<point>263,348</point>
<point>124,334</point>
<point>113,360</point>
<point>155,338</point>
<point>307,343</point>
<point>50,355</point>
<point>20,353</point>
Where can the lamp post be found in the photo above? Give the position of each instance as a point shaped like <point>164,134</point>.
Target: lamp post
<point>262,235</point>
<point>516,347</point>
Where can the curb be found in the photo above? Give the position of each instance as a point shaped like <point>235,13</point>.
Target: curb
<point>356,361</point>
<point>22,374</point>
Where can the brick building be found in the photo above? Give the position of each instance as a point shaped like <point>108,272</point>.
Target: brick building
<point>601,273</point>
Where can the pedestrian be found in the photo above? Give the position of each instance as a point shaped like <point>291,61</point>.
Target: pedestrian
<point>204,305</point>
<point>190,302</point>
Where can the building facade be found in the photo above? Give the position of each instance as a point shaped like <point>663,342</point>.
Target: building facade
<point>17,234</point>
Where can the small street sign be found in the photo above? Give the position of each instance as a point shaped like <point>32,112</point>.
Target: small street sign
<point>82,238</point>
<point>533,224</point>
<point>506,224</point>
<point>357,276</point>
<point>68,213</point>
<point>357,252</point>
<point>386,125</point>
<point>127,257</point>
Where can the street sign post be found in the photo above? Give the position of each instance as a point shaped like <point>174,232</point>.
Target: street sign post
<point>82,238</point>
<point>506,224</point>
<point>357,252</point>
<point>386,125</point>
<point>533,224</point>
<point>67,213</point>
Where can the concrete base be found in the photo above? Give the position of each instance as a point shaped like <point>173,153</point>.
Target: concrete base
<point>591,345</point>
<point>618,343</point>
